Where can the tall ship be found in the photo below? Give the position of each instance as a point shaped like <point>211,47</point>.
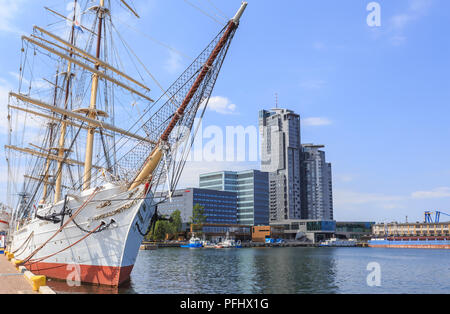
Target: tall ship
<point>88,147</point>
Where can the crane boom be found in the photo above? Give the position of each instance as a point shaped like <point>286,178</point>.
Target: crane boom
<point>429,218</point>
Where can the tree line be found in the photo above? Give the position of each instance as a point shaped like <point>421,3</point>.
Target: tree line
<point>174,224</point>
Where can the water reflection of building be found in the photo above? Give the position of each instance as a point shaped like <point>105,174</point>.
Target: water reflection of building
<point>294,271</point>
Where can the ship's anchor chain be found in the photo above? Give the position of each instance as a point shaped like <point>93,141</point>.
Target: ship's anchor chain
<point>152,225</point>
<point>103,227</point>
<point>140,231</point>
<point>59,218</point>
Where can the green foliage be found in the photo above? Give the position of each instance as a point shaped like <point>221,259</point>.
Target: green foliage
<point>176,221</point>
<point>163,227</point>
<point>198,215</point>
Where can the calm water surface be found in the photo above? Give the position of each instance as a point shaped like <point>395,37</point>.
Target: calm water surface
<point>285,271</point>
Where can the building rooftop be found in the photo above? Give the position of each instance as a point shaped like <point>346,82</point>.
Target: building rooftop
<point>313,146</point>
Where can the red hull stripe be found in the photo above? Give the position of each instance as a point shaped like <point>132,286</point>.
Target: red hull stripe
<point>4,222</point>
<point>100,275</point>
<point>413,246</point>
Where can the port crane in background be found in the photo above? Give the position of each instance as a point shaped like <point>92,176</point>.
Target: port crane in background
<point>429,217</point>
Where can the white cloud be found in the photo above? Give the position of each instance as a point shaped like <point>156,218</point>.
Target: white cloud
<point>354,206</point>
<point>344,178</point>
<point>37,84</point>
<point>419,6</point>
<point>9,11</point>
<point>312,84</point>
<point>441,192</point>
<point>399,22</point>
<point>317,121</point>
<point>221,105</point>
<point>346,197</point>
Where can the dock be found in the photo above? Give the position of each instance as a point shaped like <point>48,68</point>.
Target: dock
<point>11,280</point>
<point>16,279</point>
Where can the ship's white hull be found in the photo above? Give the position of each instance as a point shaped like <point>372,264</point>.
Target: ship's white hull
<point>104,258</point>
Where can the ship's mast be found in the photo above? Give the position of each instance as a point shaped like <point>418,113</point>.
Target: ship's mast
<point>62,137</point>
<point>89,116</point>
<point>158,152</point>
<point>203,80</point>
<point>93,104</point>
<point>51,127</point>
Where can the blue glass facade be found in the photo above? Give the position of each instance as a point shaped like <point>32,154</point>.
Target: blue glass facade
<point>220,206</point>
<point>321,226</point>
<point>252,188</point>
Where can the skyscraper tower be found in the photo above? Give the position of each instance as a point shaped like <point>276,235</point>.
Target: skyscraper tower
<point>317,190</point>
<point>280,156</point>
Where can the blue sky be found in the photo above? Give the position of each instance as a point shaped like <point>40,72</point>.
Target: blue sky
<point>377,97</point>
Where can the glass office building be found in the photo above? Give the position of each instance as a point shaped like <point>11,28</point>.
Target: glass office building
<point>220,206</point>
<point>252,190</point>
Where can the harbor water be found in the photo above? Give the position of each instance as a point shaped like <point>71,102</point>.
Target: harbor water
<point>284,271</point>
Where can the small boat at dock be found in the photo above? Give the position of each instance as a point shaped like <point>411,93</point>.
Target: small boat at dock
<point>229,243</point>
<point>193,243</point>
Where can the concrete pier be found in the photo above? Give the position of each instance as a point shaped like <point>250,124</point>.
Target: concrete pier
<point>13,281</point>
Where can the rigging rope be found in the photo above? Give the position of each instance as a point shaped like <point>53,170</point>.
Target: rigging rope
<point>28,239</point>
<point>202,11</point>
<point>218,10</point>
<point>63,226</point>
<point>38,260</point>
